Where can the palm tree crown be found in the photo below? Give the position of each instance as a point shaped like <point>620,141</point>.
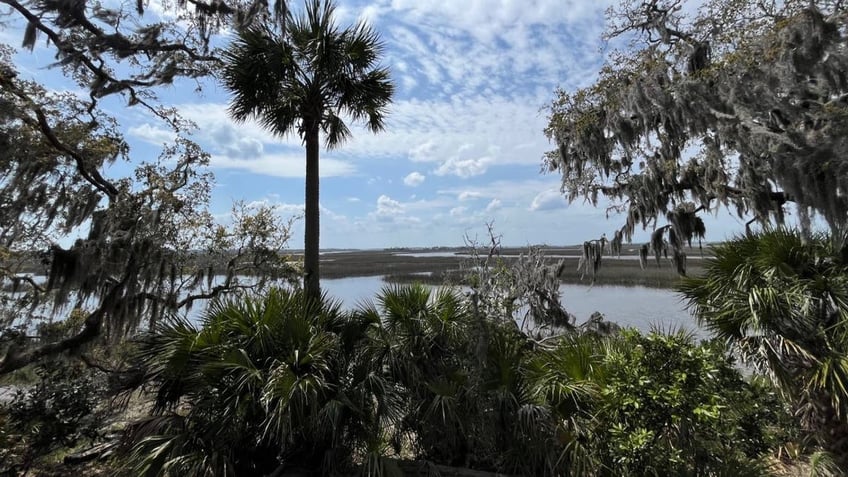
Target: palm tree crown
<point>305,80</point>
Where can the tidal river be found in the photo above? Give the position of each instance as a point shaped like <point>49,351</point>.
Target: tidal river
<point>639,307</point>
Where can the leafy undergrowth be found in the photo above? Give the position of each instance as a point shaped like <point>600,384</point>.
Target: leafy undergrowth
<point>279,382</point>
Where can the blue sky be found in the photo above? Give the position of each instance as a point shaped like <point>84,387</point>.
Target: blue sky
<point>464,139</point>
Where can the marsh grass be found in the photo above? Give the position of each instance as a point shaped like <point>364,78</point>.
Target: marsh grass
<point>620,272</point>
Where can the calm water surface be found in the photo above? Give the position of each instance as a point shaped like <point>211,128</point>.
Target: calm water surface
<point>639,307</point>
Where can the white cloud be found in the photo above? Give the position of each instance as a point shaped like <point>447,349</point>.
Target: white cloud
<point>409,82</point>
<point>422,152</point>
<point>508,191</point>
<point>152,134</point>
<point>282,165</point>
<point>487,19</point>
<point>286,209</point>
<point>548,200</point>
<point>479,44</point>
<point>233,143</point>
<point>468,195</point>
<point>460,211</point>
<point>463,135</point>
<point>388,206</point>
<point>283,209</point>
<point>494,205</point>
<point>414,179</point>
<point>464,168</point>
<point>474,76</point>
<point>391,210</point>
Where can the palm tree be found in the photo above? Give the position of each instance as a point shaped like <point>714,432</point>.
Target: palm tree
<point>304,80</point>
<point>781,302</point>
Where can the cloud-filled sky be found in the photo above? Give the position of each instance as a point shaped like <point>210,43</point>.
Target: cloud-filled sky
<point>464,139</point>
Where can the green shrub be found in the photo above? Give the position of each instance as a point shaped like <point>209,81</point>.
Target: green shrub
<point>281,381</point>
<point>670,406</point>
<point>263,382</point>
<point>55,412</point>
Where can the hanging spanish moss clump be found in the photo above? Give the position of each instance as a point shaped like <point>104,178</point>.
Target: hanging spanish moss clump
<point>686,225</point>
<point>679,260</point>
<point>659,246</point>
<point>616,243</point>
<point>644,251</point>
<point>590,260</point>
<point>686,121</point>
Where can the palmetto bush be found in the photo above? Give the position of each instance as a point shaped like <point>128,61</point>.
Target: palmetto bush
<point>261,383</point>
<point>282,381</point>
<point>420,340</point>
<point>477,392</point>
<point>781,302</point>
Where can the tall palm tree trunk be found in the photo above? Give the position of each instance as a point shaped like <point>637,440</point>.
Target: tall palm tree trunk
<point>306,78</point>
<point>311,276</point>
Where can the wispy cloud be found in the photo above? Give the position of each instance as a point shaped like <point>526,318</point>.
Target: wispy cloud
<point>281,165</point>
<point>465,129</point>
<point>548,200</point>
<point>414,179</point>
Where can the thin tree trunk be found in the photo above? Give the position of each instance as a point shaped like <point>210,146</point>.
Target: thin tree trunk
<point>311,276</point>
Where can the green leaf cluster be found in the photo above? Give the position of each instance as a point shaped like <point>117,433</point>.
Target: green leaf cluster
<point>284,382</point>
<point>780,299</point>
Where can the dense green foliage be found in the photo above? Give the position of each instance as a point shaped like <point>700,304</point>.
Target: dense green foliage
<point>59,411</point>
<point>283,381</point>
<point>672,407</point>
<point>266,381</point>
<point>782,303</point>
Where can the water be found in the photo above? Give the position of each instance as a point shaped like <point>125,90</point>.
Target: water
<point>607,257</point>
<point>638,307</point>
<point>429,254</point>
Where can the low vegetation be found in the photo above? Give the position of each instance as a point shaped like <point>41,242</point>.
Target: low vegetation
<point>285,382</point>
<point>280,383</point>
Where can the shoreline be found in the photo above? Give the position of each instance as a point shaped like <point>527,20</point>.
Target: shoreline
<point>446,266</point>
